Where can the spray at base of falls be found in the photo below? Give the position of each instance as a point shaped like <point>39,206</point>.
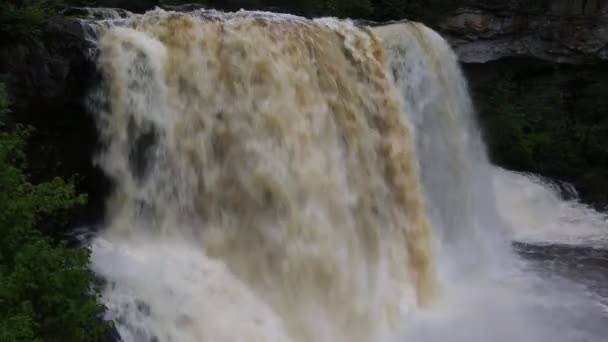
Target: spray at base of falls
<point>539,214</point>
<point>285,179</point>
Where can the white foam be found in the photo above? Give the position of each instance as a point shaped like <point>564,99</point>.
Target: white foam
<point>172,291</point>
<point>538,214</point>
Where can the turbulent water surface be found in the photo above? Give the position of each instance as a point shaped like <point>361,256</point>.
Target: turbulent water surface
<point>285,179</point>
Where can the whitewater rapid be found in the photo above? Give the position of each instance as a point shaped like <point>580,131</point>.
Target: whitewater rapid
<point>538,212</point>
<point>284,179</point>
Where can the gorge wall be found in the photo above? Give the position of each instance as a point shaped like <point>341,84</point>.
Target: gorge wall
<point>559,31</point>
<point>552,57</point>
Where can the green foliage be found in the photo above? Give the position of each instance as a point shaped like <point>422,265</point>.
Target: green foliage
<point>508,124</point>
<point>557,129</point>
<point>23,19</point>
<point>45,287</point>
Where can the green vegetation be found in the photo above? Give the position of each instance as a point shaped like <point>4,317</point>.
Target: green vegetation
<point>23,19</point>
<point>45,287</point>
<point>558,129</point>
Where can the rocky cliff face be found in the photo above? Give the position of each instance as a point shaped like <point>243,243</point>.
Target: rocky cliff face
<point>562,31</point>
<point>542,46</point>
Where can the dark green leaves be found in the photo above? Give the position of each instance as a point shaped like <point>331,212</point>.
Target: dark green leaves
<point>23,19</point>
<point>558,128</point>
<point>45,286</point>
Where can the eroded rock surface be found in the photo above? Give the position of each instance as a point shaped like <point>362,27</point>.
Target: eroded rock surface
<point>562,31</point>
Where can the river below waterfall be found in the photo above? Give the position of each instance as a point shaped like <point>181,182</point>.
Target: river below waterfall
<point>560,282</point>
<point>286,179</point>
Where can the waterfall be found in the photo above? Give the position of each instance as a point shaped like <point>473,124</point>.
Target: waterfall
<point>275,149</point>
<point>278,178</point>
<point>455,171</point>
<point>546,212</point>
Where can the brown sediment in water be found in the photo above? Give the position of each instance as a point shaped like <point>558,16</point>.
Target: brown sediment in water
<point>283,148</point>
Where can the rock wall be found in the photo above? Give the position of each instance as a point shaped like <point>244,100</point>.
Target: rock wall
<point>561,31</point>
<point>47,83</point>
<point>534,41</point>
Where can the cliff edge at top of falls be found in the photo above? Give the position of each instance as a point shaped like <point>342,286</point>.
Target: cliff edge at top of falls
<point>561,31</point>
<point>481,31</point>
<point>48,82</point>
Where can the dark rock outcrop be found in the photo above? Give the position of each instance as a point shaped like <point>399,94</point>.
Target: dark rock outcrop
<point>562,31</point>
<point>532,42</point>
<point>48,82</point>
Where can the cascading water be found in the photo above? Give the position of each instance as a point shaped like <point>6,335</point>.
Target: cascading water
<point>455,172</point>
<point>540,215</point>
<point>285,179</point>
<point>276,147</point>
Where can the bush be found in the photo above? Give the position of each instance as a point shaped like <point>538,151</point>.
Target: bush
<point>557,129</point>
<point>45,287</point>
<point>23,19</point>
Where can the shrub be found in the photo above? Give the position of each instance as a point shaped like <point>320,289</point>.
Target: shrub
<point>558,129</point>
<point>45,287</point>
<point>23,19</point>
